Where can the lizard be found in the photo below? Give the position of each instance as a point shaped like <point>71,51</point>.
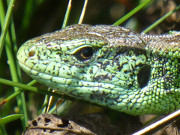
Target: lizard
<point>111,66</point>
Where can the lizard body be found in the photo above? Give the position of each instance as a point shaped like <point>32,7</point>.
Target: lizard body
<point>108,65</point>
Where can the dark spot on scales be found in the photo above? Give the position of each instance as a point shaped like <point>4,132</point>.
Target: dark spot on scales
<point>48,45</point>
<point>102,77</point>
<point>125,51</point>
<point>44,53</point>
<point>65,123</point>
<point>34,123</point>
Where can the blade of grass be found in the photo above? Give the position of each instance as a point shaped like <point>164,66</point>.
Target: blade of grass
<point>46,101</point>
<point>83,12</point>
<point>15,93</point>
<point>27,87</point>
<point>135,10</point>
<point>10,118</point>
<point>155,125</point>
<point>161,20</point>
<point>12,65</point>
<point>5,23</point>
<point>18,74</point>
<point>3,130</point>
<point>27,14</point>
<point>66,17</point>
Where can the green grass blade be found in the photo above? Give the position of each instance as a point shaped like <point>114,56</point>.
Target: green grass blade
<point>5,23</point>
<point>15,94</point>
<point>83,12</point>
<point>3,130</point>
<point>161,20</point>
<point>29,88</point>
<point>135,10</point>
<point>10,118</point>
<point>11,59</point>
<point>66,17</point>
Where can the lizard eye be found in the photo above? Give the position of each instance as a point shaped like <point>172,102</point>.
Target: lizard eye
<point>84,53</point>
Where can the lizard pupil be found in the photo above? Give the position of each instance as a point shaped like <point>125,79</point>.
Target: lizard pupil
<point>84,53</point>
<point>87,52</point>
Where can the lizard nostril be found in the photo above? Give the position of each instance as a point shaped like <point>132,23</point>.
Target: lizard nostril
<point>144,75</point>
<point>31,53</point>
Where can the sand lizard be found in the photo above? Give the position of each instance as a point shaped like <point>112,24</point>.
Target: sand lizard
<point>108,65</point>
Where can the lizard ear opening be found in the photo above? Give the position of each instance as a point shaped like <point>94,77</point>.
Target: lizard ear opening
<point>144,75</point>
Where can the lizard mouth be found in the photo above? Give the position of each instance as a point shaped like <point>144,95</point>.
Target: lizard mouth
<point>69,85</point>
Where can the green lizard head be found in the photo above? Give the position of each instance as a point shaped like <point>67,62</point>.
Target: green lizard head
<point>108,65</point>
